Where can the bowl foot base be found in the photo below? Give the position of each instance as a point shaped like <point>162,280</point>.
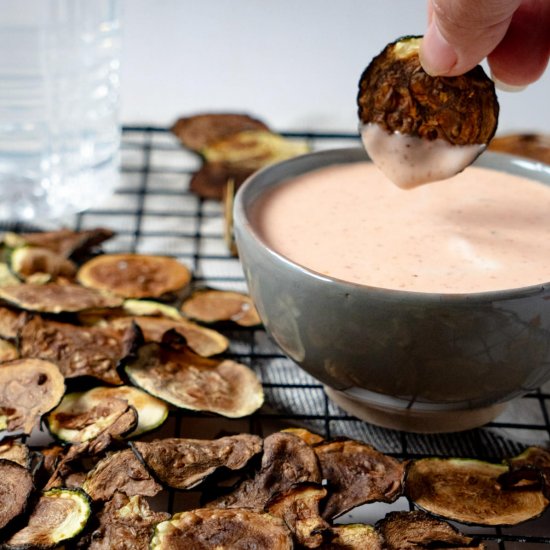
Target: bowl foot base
<point>413,420</point>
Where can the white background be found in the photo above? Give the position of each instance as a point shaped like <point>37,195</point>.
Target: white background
<point>293,63</point>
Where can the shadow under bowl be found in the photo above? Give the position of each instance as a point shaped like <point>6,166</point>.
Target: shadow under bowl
<point>421,362</point>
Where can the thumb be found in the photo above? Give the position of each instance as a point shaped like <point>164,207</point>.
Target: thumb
<point>463,32</point>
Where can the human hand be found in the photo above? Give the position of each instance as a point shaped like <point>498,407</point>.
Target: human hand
<point>513,34</point>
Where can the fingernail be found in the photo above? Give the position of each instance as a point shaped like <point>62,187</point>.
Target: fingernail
<point>437,56</point>
<point>505,87</point>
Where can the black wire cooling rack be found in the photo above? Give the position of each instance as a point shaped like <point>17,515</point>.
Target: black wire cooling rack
<point>154,212</point>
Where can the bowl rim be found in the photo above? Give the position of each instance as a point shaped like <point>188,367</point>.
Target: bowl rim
<point>490,159</point>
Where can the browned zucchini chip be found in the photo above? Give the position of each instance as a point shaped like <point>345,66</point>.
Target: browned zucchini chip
<point>121,471</point>
<point>197,131</point>
<point>78,351</point>
<point>10,323</point>
<point>16,486</point>
<point>28,261</point>
<point>354,536</point>
<point>210,180</point>
<point>7,278</point>
<point>309,437</point>
<point>357,473</point>
<point>16,451</point>
<point>237,529</point>
<point>57,298</point>
<point>532,146</point>
<point>59,515</point>
<point>125,524</point>
<point>184,463</point>
<point>189,381</point>
<point>417,530</point>
<point>396,93</point>
<point>28,389</point>
<point>134,275</point>
<point>65,242</point>
<point>150,308</point>
<point>298,507</point>
<point>286,461</point>
<point>531,467</point>
<point>201,340</point>
<point>82,416</point>
<point>468,491</point>
<point>8,351</point>
<point>211,306</point>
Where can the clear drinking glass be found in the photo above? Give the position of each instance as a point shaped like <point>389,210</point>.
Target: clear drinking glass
<point>59,131</point>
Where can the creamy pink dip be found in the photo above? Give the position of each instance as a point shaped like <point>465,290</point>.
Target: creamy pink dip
<point>480,230</point>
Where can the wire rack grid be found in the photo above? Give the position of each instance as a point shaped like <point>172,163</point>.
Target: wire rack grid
<point>153,212</point>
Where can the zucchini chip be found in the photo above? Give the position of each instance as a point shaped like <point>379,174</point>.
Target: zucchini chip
<point>77,350</point>
<point>201,340</point>
<point>416,530</point>
<point>396,93</point>
<point>125,523</point>
<point>286,461</point>
<point>134,275</point>
<point>28,389</point>
<point>7,278</point>
<point>16,486</point>
<point>309,437</point>
<point>189,381</point>
<point>10,323</point>
<point>184,463</point>
<point>65,242</point>
<point>8,351</point>
<point>150,308</point>
<point>59,515</point>
<point>121,471</point>
<point>357,536</point>
<point>16,451</point>
<point>29,261</point>
<point>237,529</point>
<point>298,507</point>
<point>468,491</point>
<point>357,473</point>
<point>57,298</point>
<point>211,306</point>
<point>82,416</point>
<point>532,466</point>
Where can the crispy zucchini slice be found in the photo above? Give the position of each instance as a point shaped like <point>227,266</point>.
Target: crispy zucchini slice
<point>8,351</point>
<point>237,529</point>
<point>28,389</point>
<point>468,491</point>
<point>416,530</point>
<point>184,463</point>
<point>357,473</point>
<point>121,471</point>
<point>65,242</point>
<point>197,131</point>
<point>202,340</point>
<point>309,437</point>
<point>11,322</point>
<point>134,275</point>
<point>7,278</point>
<point>147,308</point>
<point>189,381</point>
<point>16,451</point>
<point>355,536</point>
<point>81,416</point>
<point>28,261</point>
<point>211,306</point>
<point>16,485</point>
<point>78,351</point>
<point>59,516</point>
<point>298,507</point>
<point>532,466</point>
<point>396,93</point>
<point>57,298</point>
<point>125,523</point>
<point>287,460</point>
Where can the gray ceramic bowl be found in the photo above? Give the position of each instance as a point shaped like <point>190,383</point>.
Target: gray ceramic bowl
<point>408,360</point>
